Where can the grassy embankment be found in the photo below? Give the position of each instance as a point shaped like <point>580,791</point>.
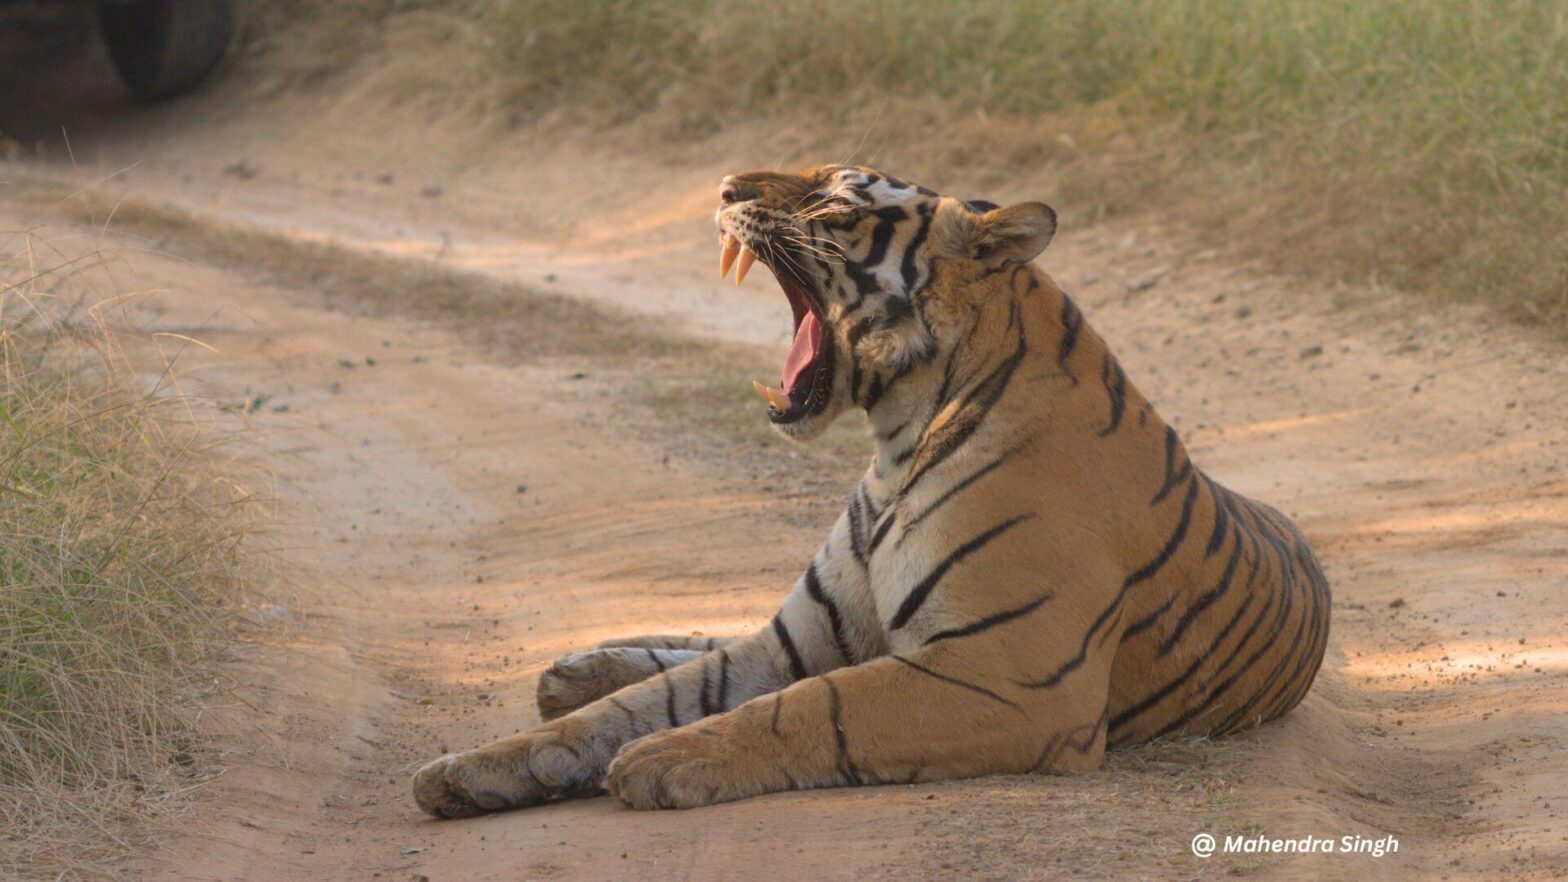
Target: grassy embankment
<point>1422,144</point>
<point>120,541</point>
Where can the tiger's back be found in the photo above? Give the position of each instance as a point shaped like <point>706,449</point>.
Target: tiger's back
<point>1212,607</point>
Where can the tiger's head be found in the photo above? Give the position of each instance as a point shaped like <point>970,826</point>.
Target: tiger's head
<point>862,257</point>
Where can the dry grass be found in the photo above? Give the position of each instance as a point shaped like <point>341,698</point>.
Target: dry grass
<point>120,544</point>
<point>1422,144</point>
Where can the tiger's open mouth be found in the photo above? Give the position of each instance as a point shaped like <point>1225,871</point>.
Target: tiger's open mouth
<point>807,376</point>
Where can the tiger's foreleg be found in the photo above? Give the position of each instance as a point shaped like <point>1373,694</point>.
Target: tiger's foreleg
<point>812,633</point>
<point>585,677</point>
<point>924,716</point>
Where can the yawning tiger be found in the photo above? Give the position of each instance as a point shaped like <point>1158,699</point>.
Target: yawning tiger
<point>1030,569</point>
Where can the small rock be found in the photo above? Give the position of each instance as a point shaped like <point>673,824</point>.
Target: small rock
<point>1396,603</point>
<point>431,191</point>
<point>1312,351</point>
<point>384,178</point>
<point>1243,311</point>
<point>241,169</point>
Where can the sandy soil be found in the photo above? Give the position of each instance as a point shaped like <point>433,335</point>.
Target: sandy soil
<point>456,516</point>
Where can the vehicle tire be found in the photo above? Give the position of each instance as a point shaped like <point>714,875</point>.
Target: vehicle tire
<point>164,47</point>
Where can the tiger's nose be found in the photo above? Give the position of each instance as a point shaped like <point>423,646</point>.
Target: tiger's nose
<point>732,191</point>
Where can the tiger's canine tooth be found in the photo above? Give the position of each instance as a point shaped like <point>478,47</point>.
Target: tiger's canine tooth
<point>777,399</point>
<point>746,260</point>
<point>729,246</point>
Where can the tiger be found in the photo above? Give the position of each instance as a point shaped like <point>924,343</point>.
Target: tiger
<point>1031,569</point>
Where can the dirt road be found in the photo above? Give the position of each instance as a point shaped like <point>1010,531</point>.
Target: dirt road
<point>458,515</point>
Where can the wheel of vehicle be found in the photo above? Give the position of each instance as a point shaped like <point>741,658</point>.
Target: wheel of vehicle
<point>164,47</point>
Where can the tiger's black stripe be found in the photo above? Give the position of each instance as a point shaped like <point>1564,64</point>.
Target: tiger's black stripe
<point>657,662</point>
<point>797,668</point>
<point>972,411</point>
<point>990,621</point>
<point>1301,654</point>
<point>1311,652</point>
<point>956,489</point>
<point>907,269</point>
<point>778,707</point>
<point>1213,693</point>
<point>855,527</point>
<point>841,742</point>
<point>1179,680</point>
<point>1221,520</point>
<point>669,701</point>
<point>923,589</point>
<point>1270,681</point>
<point>1148,621</point>
<point>1204,601</point>
<point>631,716</point>
<point>868,504</point>
<point>881,531</point>
<point>892,433</point>
<point>1072,323</point>
<point>1257,563</point>
<point>874,391</point>
<point>1115,381</point>
<point>703,702</point>
<point>1114,608</point>
<point>1173,473</point>
<point>965,684</point>
<point>882,234</point>
<point>1178,536</point>
<point>835,618</point>
<point>724,680</point>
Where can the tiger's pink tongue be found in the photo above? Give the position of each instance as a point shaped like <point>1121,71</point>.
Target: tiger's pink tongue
<point>807,337</point>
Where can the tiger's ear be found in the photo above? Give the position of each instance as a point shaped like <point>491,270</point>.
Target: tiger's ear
<point>1017,233</point>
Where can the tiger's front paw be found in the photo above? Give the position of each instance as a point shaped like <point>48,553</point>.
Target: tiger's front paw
<point>526,770</point>
<point>677,768</point>
<point>446,788</point>
<point>582,678</point>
